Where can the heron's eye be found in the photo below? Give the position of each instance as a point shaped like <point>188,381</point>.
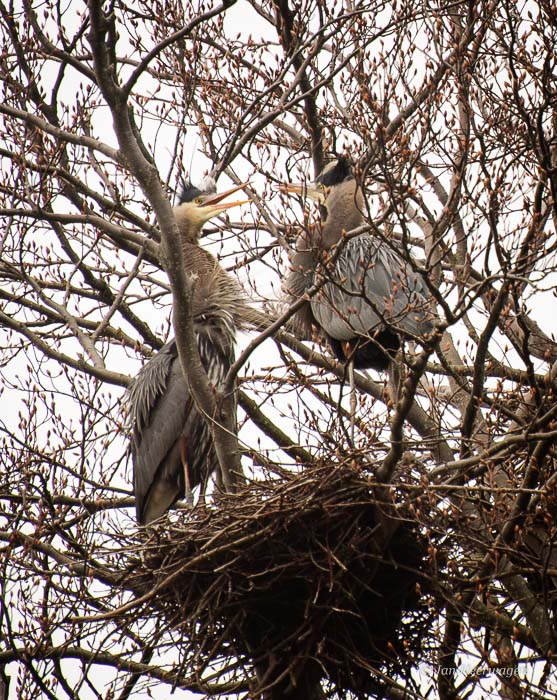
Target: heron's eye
<point>198,200</point>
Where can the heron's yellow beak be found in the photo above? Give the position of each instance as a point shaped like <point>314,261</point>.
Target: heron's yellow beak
<point>213,201</point>
<point>306,190</point>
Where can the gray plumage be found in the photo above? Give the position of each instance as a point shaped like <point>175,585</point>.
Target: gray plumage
<point>172,446</point>
<point>372,297</point>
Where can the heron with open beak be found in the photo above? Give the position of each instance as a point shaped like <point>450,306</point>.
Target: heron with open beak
<point>172,446</point>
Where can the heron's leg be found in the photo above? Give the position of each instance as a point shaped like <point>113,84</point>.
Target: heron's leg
<point>187,481</point>
<point>352,380</point>
<point>350,354</point>
<point>394,379</point>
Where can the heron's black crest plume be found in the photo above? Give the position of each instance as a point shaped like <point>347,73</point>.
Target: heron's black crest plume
<point>190,192</point>
<point>335,172</point>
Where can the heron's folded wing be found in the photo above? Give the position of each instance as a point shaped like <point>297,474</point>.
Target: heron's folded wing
<point>373,284</point>
<point>159,398</point>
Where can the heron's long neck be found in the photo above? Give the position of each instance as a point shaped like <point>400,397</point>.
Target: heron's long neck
<point>190,231</point>
<point>216,291</point>
<point>197,260</point>
<point>345,206</point>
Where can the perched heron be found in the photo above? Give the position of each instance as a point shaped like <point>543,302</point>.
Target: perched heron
<point>371,298</point>
<point>172,447</point>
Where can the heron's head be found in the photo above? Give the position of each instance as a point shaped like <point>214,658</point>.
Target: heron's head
<point>334,173</point>
<point>199,204</point>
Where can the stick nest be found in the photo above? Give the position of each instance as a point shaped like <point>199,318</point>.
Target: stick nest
<point>305,578</point>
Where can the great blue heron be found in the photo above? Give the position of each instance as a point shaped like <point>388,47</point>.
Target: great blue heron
<point>371,297</point>
<point>172,448</point>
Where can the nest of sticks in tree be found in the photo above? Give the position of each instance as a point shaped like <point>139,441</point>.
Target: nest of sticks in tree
<point>302,580</point>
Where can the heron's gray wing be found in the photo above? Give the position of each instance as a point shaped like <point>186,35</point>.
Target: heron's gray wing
<point>371,284</point>
<point>159,402</point>
<point>394,286</point>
